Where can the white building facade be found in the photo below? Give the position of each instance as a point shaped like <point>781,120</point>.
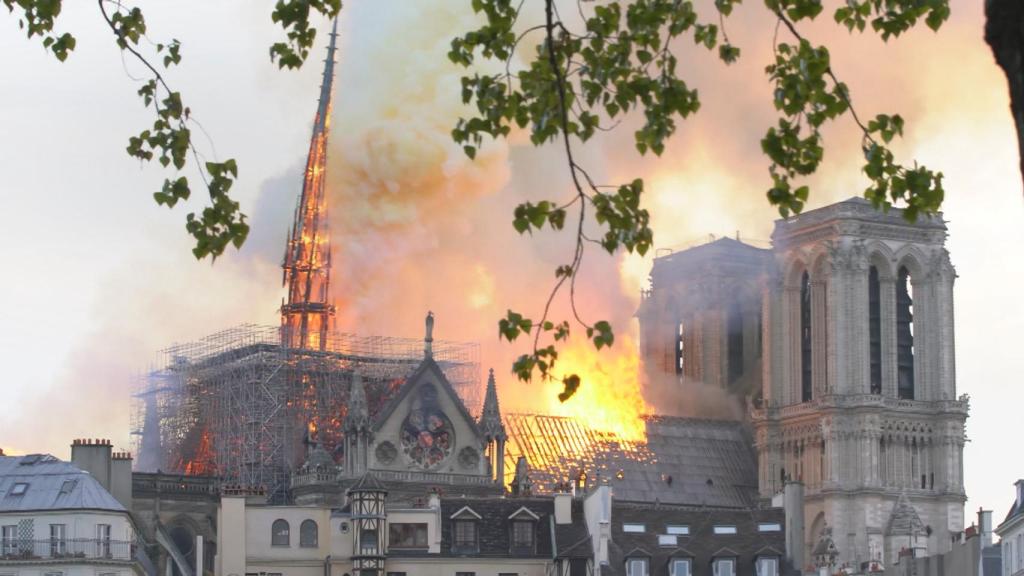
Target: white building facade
<point>57,520</point>
<point>1011,534</point>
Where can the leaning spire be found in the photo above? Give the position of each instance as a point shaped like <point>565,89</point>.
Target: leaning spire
<point>307,313</point>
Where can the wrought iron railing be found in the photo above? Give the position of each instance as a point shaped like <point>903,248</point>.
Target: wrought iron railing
<point>68,548</point>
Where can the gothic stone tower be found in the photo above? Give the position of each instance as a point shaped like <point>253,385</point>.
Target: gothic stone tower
<point>859,394</point>
<point>701,319</point>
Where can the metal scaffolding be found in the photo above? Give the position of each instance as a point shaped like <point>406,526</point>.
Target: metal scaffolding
<point>238,403</point>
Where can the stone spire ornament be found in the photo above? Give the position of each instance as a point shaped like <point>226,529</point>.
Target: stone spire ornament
<point>357,429</point>
<point>358,415</point>
<point>490,418</point>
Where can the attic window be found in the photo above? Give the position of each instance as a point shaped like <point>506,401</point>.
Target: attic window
<point>668,540</point>
<point>725,529</point>
<point>19,488</point>
<point>769,527</point>
<point>634,528</point>
<point>679,530</point>
<point>68,486</point>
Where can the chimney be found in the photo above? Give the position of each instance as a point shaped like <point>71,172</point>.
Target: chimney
<point>563,508</point>
<point>231,550</point>
<point>94,456</point>
<point>1020,492</point>
<point>985,527</point>
<point>121,478</point>
<point>793,503</point>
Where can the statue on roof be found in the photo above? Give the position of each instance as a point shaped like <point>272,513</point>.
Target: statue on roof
<point>428,340</point>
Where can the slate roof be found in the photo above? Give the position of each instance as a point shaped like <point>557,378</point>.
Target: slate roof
<point>702,545</point>
<point>572,540</point>
<point>684,460</point>
<point>52,485</point>
<point>495,527</point>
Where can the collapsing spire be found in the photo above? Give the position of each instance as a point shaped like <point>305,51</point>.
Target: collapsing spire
<point>308,313</point>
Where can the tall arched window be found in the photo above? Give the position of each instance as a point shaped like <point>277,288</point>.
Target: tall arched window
<point>875,329</point>
<point>681,348</point>
<point>734,327</point>
<point>280,533</point>
<point>806,385</point>
<point>308,534</point>
<point>904,336</point>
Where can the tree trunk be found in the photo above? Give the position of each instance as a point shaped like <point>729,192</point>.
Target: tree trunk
<point>1004,33</point>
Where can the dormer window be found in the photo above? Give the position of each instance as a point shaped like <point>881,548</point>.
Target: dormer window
<point>768,566</point>
<point>636,567</point>
<point>465,530</point>
<point>465,534</point>
<point>522,535</point>
<point>524,530</point>
<point>724,566</point>
<point>680,567</point>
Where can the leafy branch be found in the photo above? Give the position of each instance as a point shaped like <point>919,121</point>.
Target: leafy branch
<point>808,94</point>
<point>169,139</point>
<point>621,61</point>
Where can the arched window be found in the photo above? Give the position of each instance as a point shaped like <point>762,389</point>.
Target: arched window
<point>734,327</point>
<point>280,533</point>
<point>904,335</point>
<point>805,338</point>
<point>875,329</point>
<point>681,348</point>
<point>308,534</point>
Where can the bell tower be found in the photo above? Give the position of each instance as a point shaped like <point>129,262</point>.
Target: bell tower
<point>858,381</point>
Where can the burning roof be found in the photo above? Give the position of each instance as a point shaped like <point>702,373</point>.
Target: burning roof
<point>682,461</point>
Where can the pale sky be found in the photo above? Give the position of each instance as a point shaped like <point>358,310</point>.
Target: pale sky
<point>99,278</point>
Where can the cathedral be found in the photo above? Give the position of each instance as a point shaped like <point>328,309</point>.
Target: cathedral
<point>839,338</point>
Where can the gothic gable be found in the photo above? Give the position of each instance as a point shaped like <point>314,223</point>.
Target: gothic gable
<point>426,428</point>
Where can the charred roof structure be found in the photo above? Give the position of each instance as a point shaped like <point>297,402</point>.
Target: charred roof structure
<point>682,461</point>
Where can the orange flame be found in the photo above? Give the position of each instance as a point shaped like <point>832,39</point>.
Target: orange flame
<point>609,397</point>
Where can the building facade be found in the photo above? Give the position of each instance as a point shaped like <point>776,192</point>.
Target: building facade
<point>845,327</point>
<point>57,519</point>
<point>1011,534</point>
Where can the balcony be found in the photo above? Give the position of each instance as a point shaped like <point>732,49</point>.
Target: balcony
<point>960,406</point>
<point>67,550</point>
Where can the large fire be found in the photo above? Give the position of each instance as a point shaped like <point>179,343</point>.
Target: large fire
<point>609,397</point>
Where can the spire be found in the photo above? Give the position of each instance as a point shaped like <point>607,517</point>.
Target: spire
<point>358,416</point>
<point>323,109</point>
<point>490,418</point>
<point>307,314</point>
<point>904,519</point>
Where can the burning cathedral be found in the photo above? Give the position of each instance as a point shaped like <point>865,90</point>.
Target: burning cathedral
<point>838,339</point>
